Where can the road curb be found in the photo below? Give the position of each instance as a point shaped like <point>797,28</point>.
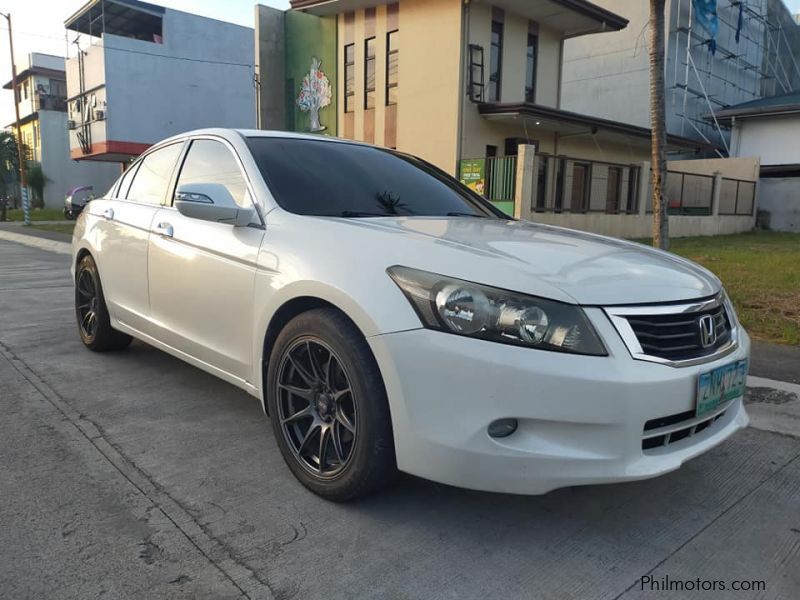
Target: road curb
<point>36,242</point>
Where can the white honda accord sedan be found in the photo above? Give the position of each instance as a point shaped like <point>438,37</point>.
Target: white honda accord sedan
<point>389,318</point>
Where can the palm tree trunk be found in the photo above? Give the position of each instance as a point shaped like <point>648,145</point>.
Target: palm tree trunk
<point>658,123</point>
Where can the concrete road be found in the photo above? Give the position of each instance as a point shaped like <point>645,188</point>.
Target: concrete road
<point>133,475</point>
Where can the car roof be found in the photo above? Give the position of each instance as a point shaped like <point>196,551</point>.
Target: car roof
<point>231,134</point>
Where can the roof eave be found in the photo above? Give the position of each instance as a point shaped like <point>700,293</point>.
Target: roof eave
<point>529,109</point>
<point>607,20</point>
<point>726,116</point>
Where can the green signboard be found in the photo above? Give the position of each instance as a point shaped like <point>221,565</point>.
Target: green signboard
<point>472,173</point>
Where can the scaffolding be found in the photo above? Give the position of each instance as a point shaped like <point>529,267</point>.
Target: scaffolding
<point>762,62</point>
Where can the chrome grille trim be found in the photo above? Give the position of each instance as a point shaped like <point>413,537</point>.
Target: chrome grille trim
<point>620,317</point>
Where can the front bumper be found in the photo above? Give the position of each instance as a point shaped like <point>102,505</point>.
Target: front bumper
<point>581,418</point>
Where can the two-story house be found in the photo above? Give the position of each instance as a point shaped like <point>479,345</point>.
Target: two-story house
<point>42,100</point>
<point>464,84</point>
<point>142,72</point>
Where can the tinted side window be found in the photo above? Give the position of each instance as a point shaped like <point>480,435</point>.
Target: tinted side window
<point>125,181</point>
<point>323,178</point>
<point>209,161</point>
<point>152,177</point>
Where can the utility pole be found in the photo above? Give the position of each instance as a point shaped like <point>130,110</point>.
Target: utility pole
<point>658,124</point>
<point>23,176</point>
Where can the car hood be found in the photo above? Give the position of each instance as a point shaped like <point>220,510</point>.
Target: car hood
<point>532,258</point>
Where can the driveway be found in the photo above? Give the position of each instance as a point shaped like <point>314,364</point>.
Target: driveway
<point>134,475</point>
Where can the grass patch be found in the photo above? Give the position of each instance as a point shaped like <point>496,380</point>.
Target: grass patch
<point>65,227</point>
<point>37,214</point>
<point>761,272</point>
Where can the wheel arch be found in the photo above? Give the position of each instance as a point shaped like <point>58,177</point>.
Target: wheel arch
<point>287,311</point>
<point>80,254</point>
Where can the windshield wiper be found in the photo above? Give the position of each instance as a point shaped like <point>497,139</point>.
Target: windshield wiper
<point>360,213</point>
<point>464,214</point>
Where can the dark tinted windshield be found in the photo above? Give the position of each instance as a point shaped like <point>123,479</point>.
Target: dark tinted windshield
<point>311,177</point>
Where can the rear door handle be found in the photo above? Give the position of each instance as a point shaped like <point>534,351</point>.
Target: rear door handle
<point>108,213</point>
<point>164,229</point>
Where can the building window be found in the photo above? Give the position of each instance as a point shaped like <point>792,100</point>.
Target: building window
<point>349,77</point>
<point>58,88</point>
<point>476,83</point>
<point>530,68</point>
<point>369,73</point>
<point>392,56</point>
<point>496,62</point>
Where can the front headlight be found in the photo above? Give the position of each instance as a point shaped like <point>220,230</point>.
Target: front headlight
<point>470,309</point>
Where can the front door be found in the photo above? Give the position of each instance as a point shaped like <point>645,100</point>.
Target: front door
<point>202,274</point>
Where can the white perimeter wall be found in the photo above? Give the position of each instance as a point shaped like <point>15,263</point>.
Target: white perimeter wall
<point>780,197</point>
<point>775,139</point>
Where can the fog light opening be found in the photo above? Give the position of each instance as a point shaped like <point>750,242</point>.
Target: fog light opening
<point>502,428</point>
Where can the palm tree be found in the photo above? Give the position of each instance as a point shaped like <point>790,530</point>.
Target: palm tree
<point>658,123</point>
<point>37,181</point>
<point>8,160</point>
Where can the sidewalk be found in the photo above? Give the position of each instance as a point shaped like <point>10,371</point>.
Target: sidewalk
<point>36,238</point>
<point>22,223</point>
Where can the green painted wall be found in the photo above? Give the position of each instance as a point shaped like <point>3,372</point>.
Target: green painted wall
<point>309,37</point>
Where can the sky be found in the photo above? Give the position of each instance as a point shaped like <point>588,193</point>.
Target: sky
<point>39,27</point>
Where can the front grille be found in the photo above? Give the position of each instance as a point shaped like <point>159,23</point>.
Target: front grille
<point>677,336</point>
<point>693,427</point>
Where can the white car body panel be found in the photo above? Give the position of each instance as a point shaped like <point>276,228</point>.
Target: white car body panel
<point>122,241</point>
<point>207,295</point>
<point>202,282</point>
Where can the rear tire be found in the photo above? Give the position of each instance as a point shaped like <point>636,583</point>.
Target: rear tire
<point>94,325</point>
<point>328,407</point>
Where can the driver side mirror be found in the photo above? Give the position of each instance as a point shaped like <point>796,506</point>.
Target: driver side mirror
<point>211,202</point>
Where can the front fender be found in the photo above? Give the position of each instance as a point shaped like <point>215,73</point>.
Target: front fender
<point>383,310</point>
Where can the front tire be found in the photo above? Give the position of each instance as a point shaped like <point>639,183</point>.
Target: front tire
<point>94,325</point>
<point>328,407</point>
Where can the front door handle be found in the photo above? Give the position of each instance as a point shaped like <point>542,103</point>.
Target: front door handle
<point>164,229</point>
<point>108,213</point>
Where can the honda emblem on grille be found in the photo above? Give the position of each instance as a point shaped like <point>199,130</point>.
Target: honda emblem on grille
<point>708,331</point>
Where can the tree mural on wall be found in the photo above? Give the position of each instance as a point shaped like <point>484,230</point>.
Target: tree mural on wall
<point>315,93</point>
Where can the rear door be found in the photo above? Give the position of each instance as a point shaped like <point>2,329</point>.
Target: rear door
<point>124,229</point>
<point>201,273</point>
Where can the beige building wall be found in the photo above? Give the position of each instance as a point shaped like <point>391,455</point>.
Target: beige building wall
<point>477,131</point>
<point>423,93</point>
<point>429,80</point>
<point>548,72</point>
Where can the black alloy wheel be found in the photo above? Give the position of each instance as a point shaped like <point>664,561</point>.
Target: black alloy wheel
<point>327,402</point>
<point>316,407</point>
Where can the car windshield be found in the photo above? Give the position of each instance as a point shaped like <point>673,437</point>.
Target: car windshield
<point>325,178</point>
